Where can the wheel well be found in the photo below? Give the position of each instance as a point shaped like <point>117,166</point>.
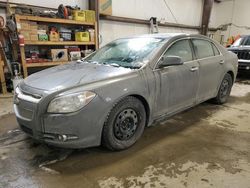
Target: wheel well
<point>145,104</point>
<point>231,74</point>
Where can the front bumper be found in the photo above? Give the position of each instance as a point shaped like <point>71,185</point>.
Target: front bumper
<point>74,130</point>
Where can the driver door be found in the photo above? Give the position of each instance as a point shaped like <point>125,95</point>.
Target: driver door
<point>177,85</point>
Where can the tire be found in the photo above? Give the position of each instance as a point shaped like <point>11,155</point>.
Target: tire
<point>124,124</point>
<point>224,90</point>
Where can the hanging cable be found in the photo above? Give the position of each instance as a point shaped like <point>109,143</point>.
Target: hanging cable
<point>168,7</point>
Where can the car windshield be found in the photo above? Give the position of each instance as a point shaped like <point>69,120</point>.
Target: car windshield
<point>244,41</point>
<point>238,42</point>
<point>128,53</point>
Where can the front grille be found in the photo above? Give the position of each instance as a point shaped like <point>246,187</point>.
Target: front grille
<point>243,54</point>
<point>26,130</point>
<point>28,114</point>
<point>243,66</point>
<point>25,109</point>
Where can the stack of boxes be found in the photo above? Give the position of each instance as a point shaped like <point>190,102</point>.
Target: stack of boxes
<point>42,33</point>
<point>85,16</point>
<point>29,30</point>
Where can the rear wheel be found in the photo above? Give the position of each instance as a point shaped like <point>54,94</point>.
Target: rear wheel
<point>124,125</point>
<point>224,90</point>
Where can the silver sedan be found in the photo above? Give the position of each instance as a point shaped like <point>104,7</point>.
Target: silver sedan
<point>112,95</point>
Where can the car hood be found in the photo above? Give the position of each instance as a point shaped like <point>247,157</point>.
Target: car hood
<point>239,48</point>
<point>72,74</point>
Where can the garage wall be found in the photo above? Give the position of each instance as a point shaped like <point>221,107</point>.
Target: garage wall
<point>232,11</point>
<point>240,17</point>
<point>185,12</point>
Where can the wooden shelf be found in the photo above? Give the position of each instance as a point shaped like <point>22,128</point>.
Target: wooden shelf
<point>75,43</point>
<point>53,20</point>
<point>45,64</point>
<point>58,21</point>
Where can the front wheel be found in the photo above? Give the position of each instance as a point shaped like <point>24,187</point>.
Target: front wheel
<point>124,125</point>
<point>224,90</point>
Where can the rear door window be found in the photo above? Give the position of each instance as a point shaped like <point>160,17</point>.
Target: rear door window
<point>203,48</point>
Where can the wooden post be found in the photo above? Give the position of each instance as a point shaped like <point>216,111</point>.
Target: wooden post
<point>25,71</point>
<point>2,78</point>
<point>94,5</point>
<point>207,8</point>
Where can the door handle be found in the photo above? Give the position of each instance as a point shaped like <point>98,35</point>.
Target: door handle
<point>193,69</point>
<point>222,62</point>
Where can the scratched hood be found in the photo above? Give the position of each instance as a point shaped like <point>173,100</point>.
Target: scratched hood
<point>72,74</point>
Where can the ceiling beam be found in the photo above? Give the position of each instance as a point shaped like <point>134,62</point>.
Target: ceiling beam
<point>145,22</point>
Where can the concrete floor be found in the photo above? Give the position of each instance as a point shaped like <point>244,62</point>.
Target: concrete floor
<point>207,146</point>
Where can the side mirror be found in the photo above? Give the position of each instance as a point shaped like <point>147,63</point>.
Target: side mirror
<point>170,60</point>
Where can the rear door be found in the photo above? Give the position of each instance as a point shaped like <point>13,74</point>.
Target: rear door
<point>177,84</point>
<point>211,68</point>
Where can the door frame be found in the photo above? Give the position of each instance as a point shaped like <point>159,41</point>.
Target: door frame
<point>194,60</point>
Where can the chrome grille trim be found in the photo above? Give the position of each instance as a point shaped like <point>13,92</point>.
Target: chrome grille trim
<point>29,98</point>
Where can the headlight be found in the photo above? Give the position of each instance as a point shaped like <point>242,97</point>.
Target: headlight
<point>71,102</point>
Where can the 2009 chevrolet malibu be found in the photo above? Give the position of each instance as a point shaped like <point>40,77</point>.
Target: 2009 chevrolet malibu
<point>112,95</point>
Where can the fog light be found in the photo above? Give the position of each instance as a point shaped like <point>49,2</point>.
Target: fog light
<point>63,138</point>
<point>247,68</point>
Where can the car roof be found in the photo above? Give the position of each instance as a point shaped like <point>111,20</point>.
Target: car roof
<point>167,35</point>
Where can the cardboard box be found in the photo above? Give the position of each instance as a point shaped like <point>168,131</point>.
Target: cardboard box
<point>33,31</point>
<point>105,7</point>
<point>79,15</point>
<point>25,34</point>
<point>33,23</point>
<point>43,27</point>
<point>33,37</point>
<point>82,36</point>
<point>25,25</point>
<point>33,27</point>
<point>59,54</point>
<point>74,56</point>
<point>89,16</point>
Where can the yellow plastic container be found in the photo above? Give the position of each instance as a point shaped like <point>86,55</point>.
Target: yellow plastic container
<point>89,16</point>
<point>79,15</point>
<point>82,36</point>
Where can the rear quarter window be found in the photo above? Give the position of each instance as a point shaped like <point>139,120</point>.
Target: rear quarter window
<point>216,51</point>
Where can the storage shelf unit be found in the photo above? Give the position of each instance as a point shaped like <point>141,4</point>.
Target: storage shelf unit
<point>53,20</point>
<point>58,43</point>
<point>38,19</point>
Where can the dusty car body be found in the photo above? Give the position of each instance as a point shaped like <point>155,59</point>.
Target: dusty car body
<point>163,85</point>
<point>241,48</point>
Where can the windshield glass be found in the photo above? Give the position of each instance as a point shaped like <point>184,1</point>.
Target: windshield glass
<point>247,41</point>
<point>128,53</point>
<point>238,42</point>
